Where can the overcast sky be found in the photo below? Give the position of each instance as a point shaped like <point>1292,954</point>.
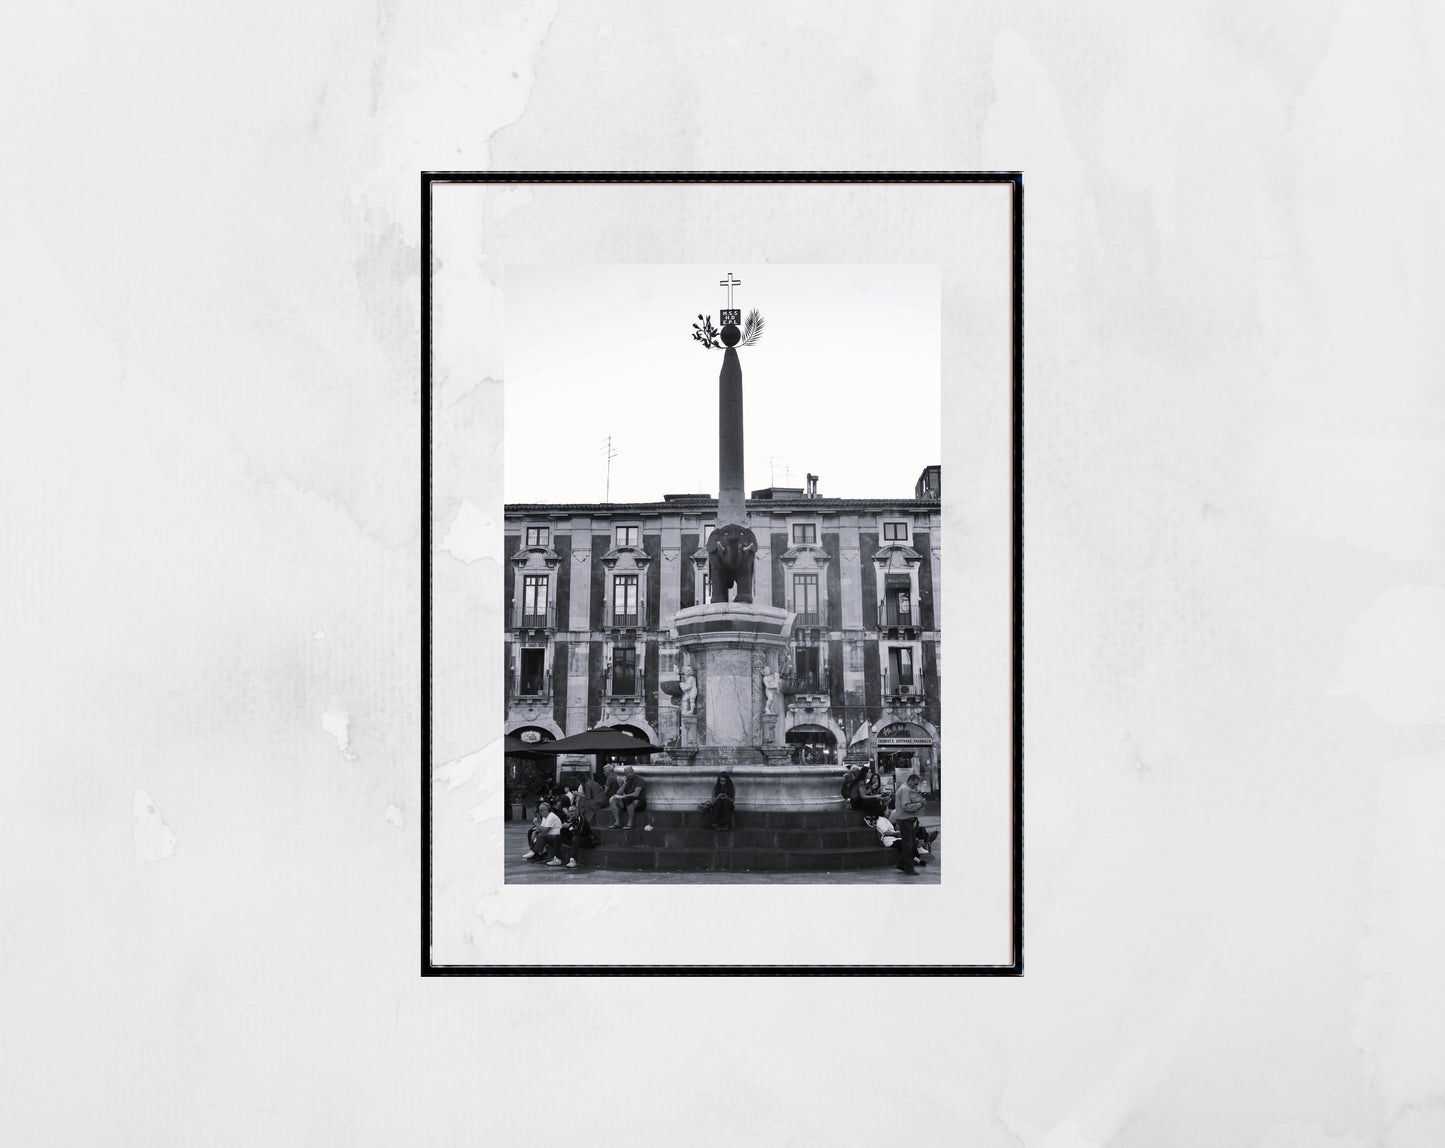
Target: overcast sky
<point>844,382</point>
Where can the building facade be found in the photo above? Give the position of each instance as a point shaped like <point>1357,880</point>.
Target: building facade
<point>591,591</point>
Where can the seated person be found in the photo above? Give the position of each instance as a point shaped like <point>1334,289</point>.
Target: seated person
<point>864,791</point>
<point>577,833</point>
<point>890,838</point>
<point>546,837</point>
<point>559,798</point>
<point>591,797</point>
<point>624,795</point>
<point>724,798</point>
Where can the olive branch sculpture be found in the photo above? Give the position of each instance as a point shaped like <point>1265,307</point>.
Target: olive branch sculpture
<point>706,334</point>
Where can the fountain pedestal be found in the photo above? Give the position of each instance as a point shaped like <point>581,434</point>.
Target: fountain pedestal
<point>730,646</point>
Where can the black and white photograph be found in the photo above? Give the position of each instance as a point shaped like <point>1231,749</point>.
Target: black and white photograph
<point>722,573</point>
<point>1060,388</point>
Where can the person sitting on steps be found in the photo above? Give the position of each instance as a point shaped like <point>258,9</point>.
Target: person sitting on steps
<point>624,794</point>
<point>591,797</point>
<point>546,837</point>
<point>724,798</point>
<point>856,790</point>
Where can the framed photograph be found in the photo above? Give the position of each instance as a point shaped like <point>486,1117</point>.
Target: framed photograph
<point>723,573</point>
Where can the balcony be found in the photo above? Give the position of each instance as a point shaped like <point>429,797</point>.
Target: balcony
<point>807,684</point>
<point>532,688</point>
<point>625,621</point>
<point>902,692</point>
<point>895,616</point>
<point>537,620</point>
<point>808,618</point>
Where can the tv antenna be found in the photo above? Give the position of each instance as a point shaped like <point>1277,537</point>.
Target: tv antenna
<point>607,450</point>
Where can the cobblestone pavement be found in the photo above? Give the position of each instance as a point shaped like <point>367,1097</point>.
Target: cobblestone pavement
<point>519,872</point>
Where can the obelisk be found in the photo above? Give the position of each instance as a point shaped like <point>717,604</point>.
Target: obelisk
<point>731,499</point>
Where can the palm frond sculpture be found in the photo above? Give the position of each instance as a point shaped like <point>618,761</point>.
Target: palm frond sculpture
<point>752,328</point>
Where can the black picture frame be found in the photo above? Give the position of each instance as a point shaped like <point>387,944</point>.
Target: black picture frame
<point>431,178</point>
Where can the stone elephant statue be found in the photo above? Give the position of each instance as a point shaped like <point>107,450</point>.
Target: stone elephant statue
<point>730,551</point>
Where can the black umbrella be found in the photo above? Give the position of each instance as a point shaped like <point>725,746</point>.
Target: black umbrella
<point>516,747</point>
<point>601,741</point>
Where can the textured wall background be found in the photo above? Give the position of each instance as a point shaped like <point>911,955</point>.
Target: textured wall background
<point>1236,764</point>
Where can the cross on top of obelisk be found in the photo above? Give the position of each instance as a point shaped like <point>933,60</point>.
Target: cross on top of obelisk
<point>729,315</point>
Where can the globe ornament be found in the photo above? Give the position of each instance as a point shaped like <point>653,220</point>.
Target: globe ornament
<point>731,335</point>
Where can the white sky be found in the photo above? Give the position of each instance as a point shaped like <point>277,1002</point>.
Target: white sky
<point>844,382</point>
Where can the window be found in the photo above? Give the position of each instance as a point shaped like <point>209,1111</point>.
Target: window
<point>895,532</point>
<point>805,533</point>
<point>532,671</point>
<point>539,535</point>
<point>534,600</point>
<point>897,601</point>
<point>706,586</point>
<point>807,669</point>
<point>624,671</point>
<point>897,609</point>
<point>900,661</point>
<point>805,599</point>
<point>624,600</point>
<point>627,535</point>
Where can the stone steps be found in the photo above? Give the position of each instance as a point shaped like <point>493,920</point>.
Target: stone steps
<point>742,819</point>
<point>760,841</point>
<point>736,860</point>
<point>788,840</point>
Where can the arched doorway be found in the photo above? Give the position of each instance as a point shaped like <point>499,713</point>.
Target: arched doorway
<point>812,745</point>
<point>527,778</point>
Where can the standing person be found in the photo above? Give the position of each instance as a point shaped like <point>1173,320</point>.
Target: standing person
<point>907,805</point>
<point>724,798</point>
<point>626,796</point>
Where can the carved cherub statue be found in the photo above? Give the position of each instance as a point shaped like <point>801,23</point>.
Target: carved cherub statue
<point>771,684</point>
<point>689,691</point>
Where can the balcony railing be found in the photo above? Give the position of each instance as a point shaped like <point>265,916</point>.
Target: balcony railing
<point>806,684</point>
<point>808,618</point>
<point>534,687</point>
<point>891,613</point>
<point>892,688</point>
<point>622,621</point>
<point>537,619</point>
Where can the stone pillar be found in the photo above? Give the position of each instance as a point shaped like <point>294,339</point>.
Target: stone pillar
<point>731,496</point>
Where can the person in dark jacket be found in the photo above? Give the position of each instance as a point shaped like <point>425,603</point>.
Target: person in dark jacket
<point>724,798</point>
<point>591,797</point>
<point>860,796</point>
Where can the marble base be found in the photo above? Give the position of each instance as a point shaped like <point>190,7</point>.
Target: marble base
<point>729,646</point>
<point>760,786</point>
